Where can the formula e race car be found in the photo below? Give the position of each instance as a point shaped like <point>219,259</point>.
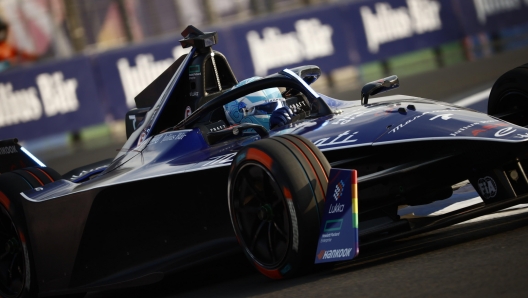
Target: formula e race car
<point>188,187</point>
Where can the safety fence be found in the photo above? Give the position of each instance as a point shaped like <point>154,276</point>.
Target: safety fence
<point>67,95</point>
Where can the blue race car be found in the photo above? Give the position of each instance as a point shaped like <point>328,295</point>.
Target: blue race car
<point>190,186</point>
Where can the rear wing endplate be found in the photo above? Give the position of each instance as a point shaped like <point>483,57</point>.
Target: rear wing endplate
<point>14,157</point>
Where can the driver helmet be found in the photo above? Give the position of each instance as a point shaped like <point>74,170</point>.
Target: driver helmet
<point>255,107</point>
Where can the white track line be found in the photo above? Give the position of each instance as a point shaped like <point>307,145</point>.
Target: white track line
<point>472,99</point>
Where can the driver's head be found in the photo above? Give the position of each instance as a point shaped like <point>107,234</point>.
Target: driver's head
<point>255,107</point>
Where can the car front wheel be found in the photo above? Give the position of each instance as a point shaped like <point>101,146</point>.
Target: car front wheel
<point>277,188</point>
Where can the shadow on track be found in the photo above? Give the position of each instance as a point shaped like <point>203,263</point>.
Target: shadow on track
<point>234,277</point>
<point>435,240</point>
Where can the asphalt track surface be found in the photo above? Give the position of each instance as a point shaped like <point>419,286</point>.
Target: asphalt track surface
<point>479,259</point>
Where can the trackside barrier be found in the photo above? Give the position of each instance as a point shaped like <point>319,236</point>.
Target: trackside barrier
<point>49,98</point>
<point>67,95</point>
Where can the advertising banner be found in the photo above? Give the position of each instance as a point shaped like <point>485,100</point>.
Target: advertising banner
<point>312,36</point>
<point>124,73</point>
<point>48,99</point>
<point>387,28</point>
<point>479,16</point>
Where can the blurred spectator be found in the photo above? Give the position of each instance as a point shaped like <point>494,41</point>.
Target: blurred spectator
<point>32,30</point>
<point>7,52</point>
<point>38,29</point>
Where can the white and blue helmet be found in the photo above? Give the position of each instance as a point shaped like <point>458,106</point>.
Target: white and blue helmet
<point>255,107</point>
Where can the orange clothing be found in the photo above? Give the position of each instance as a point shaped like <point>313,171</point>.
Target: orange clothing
<point>7,52</point>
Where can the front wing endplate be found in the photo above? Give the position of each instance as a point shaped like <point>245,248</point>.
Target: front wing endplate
<point>338,237</point>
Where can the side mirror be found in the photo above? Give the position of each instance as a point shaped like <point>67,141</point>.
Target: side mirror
<point>133,119</point>
<point>378,86</point>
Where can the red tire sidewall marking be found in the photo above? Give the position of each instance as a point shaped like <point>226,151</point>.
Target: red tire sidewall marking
<point>318,161</point>
<point>5,201</point>
<point>311,166</point>
<point>263,158</point>
<point>34,176</point>
<point>274,274</point>
<point>47,175</point>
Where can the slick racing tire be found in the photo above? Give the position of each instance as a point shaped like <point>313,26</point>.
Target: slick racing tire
<point>276,195</point>
<point>17,274</point>
<point>509,96</point>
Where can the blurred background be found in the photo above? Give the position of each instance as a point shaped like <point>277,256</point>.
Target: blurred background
<point>69,69</point>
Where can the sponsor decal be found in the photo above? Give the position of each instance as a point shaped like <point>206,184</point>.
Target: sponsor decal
<point>346,118</point>
<point>337,140</point>
<point>309,41</point>
<point>485,128</point>
<point>136,78</point>
<point>194,70</point>
<point>57,96</point>
<point>521,136</point>
<point>400,126</point>
<point>133,118</point>
<point>188,112</point>
<point>488,187</point>
<point>337,208</point>
<point>386,112</point>
<point>295,228</point>
<point>169,136</point>
<point>334,253</point>
<point>505,131</point>
<point>486,8</point>
<point>73,177</point>
<point>330,235</point>
<point>142,137</point>
<point>320,254</point>
<point>386,24</point>
<point>462,129</point>
<point>220,160</point>
<point>8,150</point>
<point>333,225</point>
<point>442,116</point>
<point>156,139</point>
<point>339,190</point>
<point>176,136</point>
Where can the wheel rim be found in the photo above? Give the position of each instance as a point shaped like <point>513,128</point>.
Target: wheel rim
<point>261,215</point>
<point>12,265</point>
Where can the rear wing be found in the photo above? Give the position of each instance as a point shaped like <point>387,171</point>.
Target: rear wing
<point>13,157</point>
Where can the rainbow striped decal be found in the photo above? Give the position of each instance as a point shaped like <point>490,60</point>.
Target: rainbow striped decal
<point>355,217</point>
<point>338,238</point>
